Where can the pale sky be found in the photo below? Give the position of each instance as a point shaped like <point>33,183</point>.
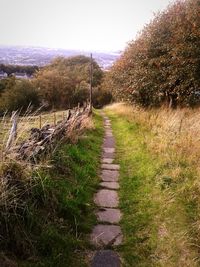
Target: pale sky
<point>75,24</point>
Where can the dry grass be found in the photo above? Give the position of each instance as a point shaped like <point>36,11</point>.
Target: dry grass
<point>23,183</point>
<point>172,138</point>
<point>12,169</point>
<point>25,124</point>
<point>174,130</point>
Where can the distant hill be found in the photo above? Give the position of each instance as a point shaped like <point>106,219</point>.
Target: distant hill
<point>41,56</point>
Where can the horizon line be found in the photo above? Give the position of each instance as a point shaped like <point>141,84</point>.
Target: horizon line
<point>62,48</point>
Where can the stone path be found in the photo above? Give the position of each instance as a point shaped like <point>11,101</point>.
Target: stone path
<point>107,233</point>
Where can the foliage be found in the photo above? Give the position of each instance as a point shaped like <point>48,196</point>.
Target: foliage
<point>163,64</point>
<point>18,95</point>
<point>65,82</point>
<point>101,97</point>
<point>102,94</point>
<point>6,83</point>
<point>62,84</point>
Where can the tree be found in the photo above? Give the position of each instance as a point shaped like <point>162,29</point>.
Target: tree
<point>18,95</point>
<point>163,64</point>
<point>6,83</point>
<point>65,82</point>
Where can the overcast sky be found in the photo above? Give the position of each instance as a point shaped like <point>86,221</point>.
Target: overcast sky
<point>75,24</point>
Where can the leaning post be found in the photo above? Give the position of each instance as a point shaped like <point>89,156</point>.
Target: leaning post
<point>13,131</point>
<point>91,79</point>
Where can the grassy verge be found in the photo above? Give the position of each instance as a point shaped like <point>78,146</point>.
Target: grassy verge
<point>52,229</point>
<point>159,194</point>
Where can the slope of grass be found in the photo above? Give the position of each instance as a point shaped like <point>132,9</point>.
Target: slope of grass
<point>53,227</point>
<point>159,194</point>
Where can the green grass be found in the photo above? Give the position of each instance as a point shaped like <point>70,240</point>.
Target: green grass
<point>60,210</point>
<point>157,211</point>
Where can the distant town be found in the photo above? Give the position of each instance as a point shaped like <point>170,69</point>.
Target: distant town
<point>39,56</point>
<point>16,74</point>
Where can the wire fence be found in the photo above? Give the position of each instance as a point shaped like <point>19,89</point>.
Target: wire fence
<point>15,129</point>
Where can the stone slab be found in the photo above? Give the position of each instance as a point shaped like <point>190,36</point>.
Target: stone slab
<point>108,134</point>
<point>107,160</point>
<point>108,130</point>
<point>109,149</point>
<point>106,258</point>
<point>112,216</point>
<point>106,235</point>
<point>109,141</point>
<point>107,127</point>
<point>110,185</point>
<point>109,176</point>
<point>114,167</point>
<point>106,198</point>
<point>108,155</point>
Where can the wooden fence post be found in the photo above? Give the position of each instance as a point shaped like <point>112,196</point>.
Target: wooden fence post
<point>91,80</point>
<point>13,130</point>
<point>40,121</point>
<point>54,118</point>
<point>69,114</point>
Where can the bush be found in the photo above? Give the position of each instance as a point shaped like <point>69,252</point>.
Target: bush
<point>163,64</point>
<point>101,97</point>
<point>18,95</point>
<point>65,82</point>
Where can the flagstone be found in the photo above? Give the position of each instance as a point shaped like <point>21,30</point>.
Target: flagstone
<point>106,258</point>
<point>109,176</point>
<point>104,235</point>
<point>106,198</point>
<point>110,185</point>
<point>112,216</point>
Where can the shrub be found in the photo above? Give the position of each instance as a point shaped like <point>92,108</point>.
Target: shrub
<point>18,95</point>
<point>65,82</point>
<point>101,97</point>
<point>163,64</point>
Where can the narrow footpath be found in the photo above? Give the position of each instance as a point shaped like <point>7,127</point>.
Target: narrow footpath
<point>107,233</point>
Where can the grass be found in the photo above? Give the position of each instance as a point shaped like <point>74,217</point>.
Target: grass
<point>53,226</point>
<point>159,178</point>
